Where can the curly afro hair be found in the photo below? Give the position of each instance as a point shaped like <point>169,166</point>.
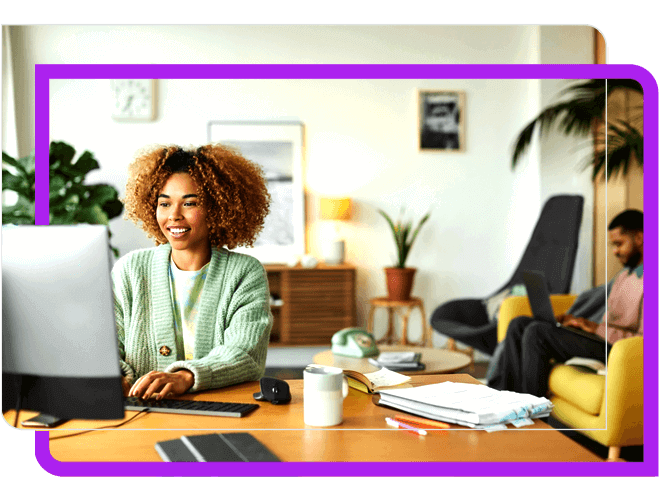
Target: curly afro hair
<point>231,189</point>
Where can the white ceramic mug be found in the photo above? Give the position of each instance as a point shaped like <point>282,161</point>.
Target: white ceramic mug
<point>324,390</point>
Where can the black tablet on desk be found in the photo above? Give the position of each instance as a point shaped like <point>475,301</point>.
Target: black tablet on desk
<point>228,447</point>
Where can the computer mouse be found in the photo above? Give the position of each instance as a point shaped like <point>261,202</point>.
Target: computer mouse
<point>274,390</point>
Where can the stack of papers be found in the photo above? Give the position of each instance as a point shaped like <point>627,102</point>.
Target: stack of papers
<point>472,405</point>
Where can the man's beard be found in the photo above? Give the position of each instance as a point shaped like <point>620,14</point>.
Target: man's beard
<point>633,260</point>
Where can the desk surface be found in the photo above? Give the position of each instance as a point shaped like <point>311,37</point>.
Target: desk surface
<point>363,436</point>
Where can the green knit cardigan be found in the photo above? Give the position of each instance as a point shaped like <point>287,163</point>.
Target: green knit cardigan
<point>232,327</point>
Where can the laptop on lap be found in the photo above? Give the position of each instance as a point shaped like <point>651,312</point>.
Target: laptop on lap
<point>539,300</point>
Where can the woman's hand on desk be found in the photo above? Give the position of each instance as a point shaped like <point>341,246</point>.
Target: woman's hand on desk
<point>162,384</point>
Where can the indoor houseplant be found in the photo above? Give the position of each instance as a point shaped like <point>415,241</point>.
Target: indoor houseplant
<point>400,278</point>
<point>584,107</point>
<point>70,200</point>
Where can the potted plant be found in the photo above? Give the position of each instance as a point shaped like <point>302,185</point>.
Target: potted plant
<point>584,107</point>
<point>70,200</point>
<point>400,278</point>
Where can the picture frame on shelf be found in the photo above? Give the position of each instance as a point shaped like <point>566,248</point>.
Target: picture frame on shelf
<point>278,147</point>
<point>441,120</point>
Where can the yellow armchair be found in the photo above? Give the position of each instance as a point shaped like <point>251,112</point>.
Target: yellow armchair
<point>608,409</point>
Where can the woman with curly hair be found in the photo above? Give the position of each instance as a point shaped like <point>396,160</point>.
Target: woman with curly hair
<point>192,315</point>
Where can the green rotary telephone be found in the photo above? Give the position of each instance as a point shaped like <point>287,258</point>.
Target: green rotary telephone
<point>354,342</point>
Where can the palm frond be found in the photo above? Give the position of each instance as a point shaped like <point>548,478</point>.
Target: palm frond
<point>597,86</point>
<point>577,115</point>
<point>624,143</point>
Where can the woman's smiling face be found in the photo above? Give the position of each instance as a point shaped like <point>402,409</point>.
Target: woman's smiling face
<point>180,216</point>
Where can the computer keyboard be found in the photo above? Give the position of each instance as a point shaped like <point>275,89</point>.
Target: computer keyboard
<point>210,408</point>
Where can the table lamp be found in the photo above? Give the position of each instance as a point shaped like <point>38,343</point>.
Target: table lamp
<point>334,209</point>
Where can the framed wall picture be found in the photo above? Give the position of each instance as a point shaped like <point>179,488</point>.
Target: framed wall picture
<point>441,120</point>
<point>278,148</point>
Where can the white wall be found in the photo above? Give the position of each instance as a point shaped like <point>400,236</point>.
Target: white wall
<point>360,134</point>
<point>565,158</point>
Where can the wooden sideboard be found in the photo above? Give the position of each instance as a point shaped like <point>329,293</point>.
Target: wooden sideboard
<point>315,302</point>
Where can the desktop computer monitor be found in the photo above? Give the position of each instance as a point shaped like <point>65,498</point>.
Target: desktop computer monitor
<point>59,342</point>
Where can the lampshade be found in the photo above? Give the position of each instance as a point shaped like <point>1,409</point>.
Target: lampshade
<point>335,208</point>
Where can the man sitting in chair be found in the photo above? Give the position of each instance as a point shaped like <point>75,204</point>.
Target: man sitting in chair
<point>529,346</point>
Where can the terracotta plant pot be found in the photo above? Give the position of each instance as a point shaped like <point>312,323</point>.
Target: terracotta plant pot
<point>400,282</point>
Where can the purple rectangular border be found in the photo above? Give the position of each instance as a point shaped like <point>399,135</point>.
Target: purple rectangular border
<point>649,467</point>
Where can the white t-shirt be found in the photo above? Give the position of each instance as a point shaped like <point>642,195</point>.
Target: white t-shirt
<point>186,288</point>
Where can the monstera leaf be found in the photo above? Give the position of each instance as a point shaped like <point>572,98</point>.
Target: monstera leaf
<point>70,200</point>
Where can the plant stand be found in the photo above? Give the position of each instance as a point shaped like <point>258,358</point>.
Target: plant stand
<point>404,308</point>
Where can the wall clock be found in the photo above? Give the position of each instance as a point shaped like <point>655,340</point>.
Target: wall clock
<point>133,100</point>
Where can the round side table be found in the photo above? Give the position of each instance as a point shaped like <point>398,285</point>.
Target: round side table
<point>402,308</point>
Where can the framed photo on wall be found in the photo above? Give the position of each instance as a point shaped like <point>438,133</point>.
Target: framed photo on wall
<point>441,116</point>
<point>278,148</point>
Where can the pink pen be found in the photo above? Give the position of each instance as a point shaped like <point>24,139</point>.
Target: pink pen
<point>401,425</point>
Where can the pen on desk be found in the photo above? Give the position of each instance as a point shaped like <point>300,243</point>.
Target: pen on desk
<point>406,419</point>
<point>395,423</point>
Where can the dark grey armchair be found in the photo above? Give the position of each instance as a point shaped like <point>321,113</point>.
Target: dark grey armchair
<point>551,250</point>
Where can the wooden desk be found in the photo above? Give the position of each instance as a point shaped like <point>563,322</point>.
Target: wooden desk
<point>363,436</point>
<point>436,361</point>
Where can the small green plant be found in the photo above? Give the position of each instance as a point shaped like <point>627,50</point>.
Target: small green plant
<point>404,236</point>
<point>70,200</point>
